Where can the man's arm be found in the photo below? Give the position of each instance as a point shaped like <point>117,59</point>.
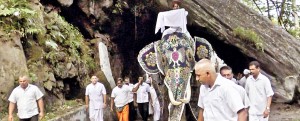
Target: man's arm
<point>11,109</point>
<point>104,101</point>
<point>86,102</point>
<point>242,115</point>
<point>200,115</point>
<point>267,110</point>
<point>137,86</point>
<point>134,100</point>
<point>41,107</point>
<point>112,104</point>
<point>149,98</point>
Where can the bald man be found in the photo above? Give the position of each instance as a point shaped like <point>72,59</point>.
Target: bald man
<point>29,101</point>
<point>218,101</point>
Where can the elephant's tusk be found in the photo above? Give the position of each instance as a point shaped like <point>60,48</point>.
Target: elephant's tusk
<point>173,101</point>
<point>189,90</point>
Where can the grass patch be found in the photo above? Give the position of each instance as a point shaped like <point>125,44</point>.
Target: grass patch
<point>250,36</point>
<point>55,111</point>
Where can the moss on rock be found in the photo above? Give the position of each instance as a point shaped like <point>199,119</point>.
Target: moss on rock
<point>250,36</point>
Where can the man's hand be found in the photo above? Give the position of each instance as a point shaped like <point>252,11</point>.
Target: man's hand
<point>135,104</point>
<point>41,115</point>
<point>266,113</point>
<point>10,118</point>
<point>140,81</point>
<point>111,109</point>
<point>104,105</point>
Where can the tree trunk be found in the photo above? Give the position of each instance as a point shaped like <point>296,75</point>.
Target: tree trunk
<point>281,52</point>
<point>295,15</point>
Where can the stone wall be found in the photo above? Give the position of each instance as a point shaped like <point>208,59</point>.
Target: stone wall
<point>78,114</point>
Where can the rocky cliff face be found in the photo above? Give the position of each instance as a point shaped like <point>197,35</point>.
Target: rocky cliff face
<point>12,64</point>
<point>51,51</point>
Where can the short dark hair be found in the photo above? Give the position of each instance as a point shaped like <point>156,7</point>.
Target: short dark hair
<point>225,68</point>
<point>120,79</point>
<point>126,77</point>
<point>255,63</point>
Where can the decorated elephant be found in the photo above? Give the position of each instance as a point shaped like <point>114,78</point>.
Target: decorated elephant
<point>174,56</point>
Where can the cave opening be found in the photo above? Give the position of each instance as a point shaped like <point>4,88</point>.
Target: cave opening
<point>131,40</point>
<point>137,31</point>
<point>72,89</point>
<point>230,54</point>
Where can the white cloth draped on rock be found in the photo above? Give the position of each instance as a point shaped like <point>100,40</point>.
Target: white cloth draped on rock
<point>105,64</point>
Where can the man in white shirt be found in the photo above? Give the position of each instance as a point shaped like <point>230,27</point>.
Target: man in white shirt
<point>95,99</point>
<point>28,98</point>
<point>143,98</point>
<point>218,101</point>
<point>243,80</point>
<point>226,72</point>
<point>154,106</point>
<point>132,111</point>
<point>120,96</point>
<point>259,90</point>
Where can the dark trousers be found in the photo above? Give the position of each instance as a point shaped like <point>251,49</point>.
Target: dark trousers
<point>132,111</point>
<point>33,118</point>
<point>144,110</point>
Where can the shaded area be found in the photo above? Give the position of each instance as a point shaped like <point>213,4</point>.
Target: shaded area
<point>231,55</point>
<point>72,88</point>
<point>73,14</point>
<point>130,39</point>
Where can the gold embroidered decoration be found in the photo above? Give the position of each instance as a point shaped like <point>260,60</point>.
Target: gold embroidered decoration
<point>150,59</point>
<point>202,52</point>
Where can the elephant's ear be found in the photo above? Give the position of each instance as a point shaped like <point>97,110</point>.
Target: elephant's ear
<point>147,59</point>
<point>203,49</point>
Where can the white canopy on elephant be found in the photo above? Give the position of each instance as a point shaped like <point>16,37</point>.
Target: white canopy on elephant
<point>175,19</point>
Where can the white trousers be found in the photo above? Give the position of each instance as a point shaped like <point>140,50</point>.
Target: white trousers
<point>96,114</point>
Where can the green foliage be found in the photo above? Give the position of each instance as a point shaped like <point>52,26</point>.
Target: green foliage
<point>295,33</point>
<point>32,77</point>
<point>64,34</point>
<point>58,110</point>
<point>68,38</point>
<point>284,13</point>
<point>52,57</point>
<point>118,7</point>
<point>90,62</point>
<point>250,36</point>
<point>18,16</point>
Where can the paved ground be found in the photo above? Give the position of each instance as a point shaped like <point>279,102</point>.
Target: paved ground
<point>285,112</point>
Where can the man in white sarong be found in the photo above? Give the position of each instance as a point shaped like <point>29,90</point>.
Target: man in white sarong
<point>132,110</point>
<point>154,106</point>
<point>95,99</point>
